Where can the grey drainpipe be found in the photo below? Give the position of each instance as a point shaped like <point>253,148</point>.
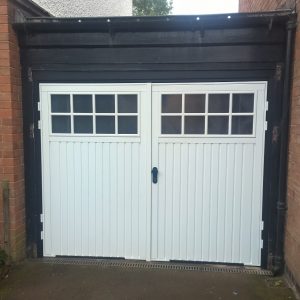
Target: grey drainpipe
<point>278,263</point>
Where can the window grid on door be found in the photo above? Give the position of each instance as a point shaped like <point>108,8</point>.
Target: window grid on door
<point>234,115</point>
<point>78,114</point>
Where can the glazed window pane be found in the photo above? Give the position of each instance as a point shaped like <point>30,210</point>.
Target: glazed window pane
<point>171,125</point>
<point>195,103</point>
<point>83,103</point>
<point>194,125</point>
<point>60,104</point>
<point>61,124</point>
<point>218,103</point>
<point>242,125</point>
<point>127,125</point>
<point>243,103</point>
<point>218,125</point>
<point>105,125</point>
<point>83,124</point>
<point>127,103</point>
<point>171,104</point>
<point>105,103</point>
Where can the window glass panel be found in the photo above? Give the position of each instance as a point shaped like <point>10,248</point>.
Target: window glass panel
<point>127,103</point>
<point>127,125</point>
<point>61,124</point>
<point>243,103</point>
<point>105,103</point>
<point>195,103</point>
<point>60,103</point>
<point>83,124</point>
<point>171,104</point>
<point>218,103</point>
<point>171,125</point>
<point>83,103</point>
<point>194,125</point>
<point>217,125</point>
<point>242,125</point>
<point>105,124</point>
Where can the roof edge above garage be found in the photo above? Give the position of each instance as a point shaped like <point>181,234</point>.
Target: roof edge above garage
<point>187,22</point>
<point>31,7</point>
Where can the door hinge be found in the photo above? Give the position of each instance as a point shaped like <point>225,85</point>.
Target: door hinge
<point>39,124</point>
<point>31,131</point>
<point>278,72</point>
<point>262,225</point>
<point>267,106</point>
<point>42,226</point>
<point>39,106</point>
<point>29,74</point>
<point>266,110</point>
<point>275,135</point>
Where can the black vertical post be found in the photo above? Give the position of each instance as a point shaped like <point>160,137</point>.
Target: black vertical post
<point>284,138</point>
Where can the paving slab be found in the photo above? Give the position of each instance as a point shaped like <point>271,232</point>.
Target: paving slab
<point>45,281</point>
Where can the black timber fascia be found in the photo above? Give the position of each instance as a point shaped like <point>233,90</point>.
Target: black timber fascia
<point>142,24</point>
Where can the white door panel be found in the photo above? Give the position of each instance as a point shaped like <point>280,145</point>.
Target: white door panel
<point>96,188</point>
<point>207,205</point>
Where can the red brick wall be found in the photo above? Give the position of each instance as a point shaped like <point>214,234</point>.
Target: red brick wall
<point>11,134</point>
<point>292,234</point>
<point>261,5</point>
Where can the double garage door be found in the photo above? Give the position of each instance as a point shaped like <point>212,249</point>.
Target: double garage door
<point>153,171</point>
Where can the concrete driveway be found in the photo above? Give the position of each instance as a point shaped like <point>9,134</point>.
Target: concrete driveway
<point>36,280</point>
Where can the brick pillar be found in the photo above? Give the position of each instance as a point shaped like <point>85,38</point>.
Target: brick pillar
<point>11,135</point>
<point>292,230</point>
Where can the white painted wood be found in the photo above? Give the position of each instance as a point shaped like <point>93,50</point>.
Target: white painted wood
<point>98,199</point>
<point>96,190</point>
<point>207,205</point>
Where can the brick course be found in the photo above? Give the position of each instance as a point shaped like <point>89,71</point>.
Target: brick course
<point>292,234</point>
<point>11,134</point>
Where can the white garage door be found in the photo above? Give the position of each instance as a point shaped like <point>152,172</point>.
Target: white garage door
<point>204,144</point>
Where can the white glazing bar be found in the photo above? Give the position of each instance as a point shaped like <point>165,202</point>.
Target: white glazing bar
<point>206,114</point>
<point>72,113</point>
<point>230,115</point>
<point>182,114</point>
<point>94,117</point>
<point>116,115</point>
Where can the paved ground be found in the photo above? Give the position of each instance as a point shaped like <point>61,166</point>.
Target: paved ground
<point>34,280</point>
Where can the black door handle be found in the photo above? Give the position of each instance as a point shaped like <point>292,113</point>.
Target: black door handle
<point>154,175</point>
